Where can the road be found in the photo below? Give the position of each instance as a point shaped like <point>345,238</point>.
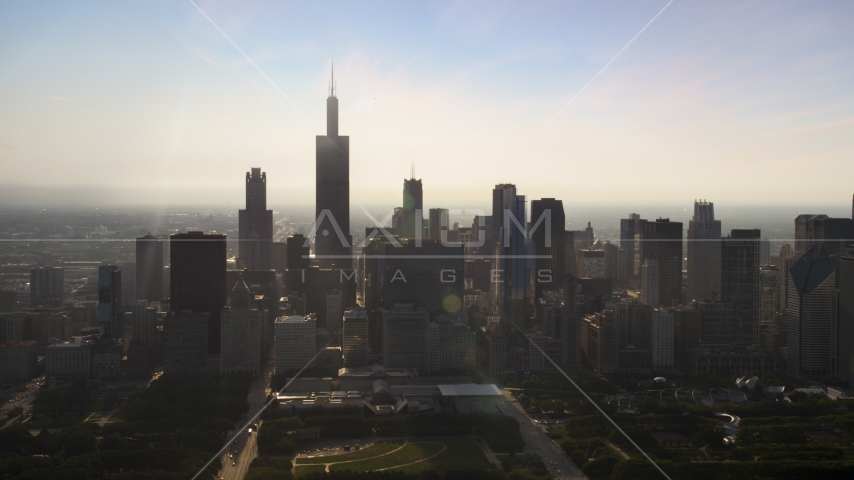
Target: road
<point>243,449</point>
<point>12,398</point>
<point>537,441</point>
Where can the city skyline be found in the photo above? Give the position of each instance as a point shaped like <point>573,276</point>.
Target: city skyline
<point>676,97</point>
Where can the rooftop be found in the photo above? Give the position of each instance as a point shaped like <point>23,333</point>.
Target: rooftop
<point>470,390</point>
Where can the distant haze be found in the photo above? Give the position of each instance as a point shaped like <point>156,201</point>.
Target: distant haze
<point>147,104</point>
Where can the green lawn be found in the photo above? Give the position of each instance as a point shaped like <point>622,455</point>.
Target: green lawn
<point>462,453</point>
<point>372,451</point>
<point>303,470</point>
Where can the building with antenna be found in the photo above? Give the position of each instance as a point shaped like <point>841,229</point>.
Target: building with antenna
<point>332,196</point>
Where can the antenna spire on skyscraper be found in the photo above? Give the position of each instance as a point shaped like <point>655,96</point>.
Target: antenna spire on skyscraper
<point>332,81</point>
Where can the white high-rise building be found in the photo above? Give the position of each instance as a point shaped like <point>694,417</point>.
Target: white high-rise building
<point>295,341</point>
<point>704,254</point>
<point>649,282</point>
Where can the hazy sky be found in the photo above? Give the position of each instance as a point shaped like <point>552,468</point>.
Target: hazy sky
<point>148,103</point>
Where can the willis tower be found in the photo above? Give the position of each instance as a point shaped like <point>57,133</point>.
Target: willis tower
<point>332,201</point>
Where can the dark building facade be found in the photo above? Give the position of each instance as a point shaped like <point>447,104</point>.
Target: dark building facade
<point>110,300</point>
<point>629,228</point>
<point>332,200</point>
<point>197,278</point>
<point>845,329</point>
<point>413,206</point>
<point>663,239</point>
<point>256,225</point>
<point>740,254</point>
<point>46,285</point>
<point>548,244</point>
<point>149,268</point>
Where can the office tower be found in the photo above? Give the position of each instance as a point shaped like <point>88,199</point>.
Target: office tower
<point>833,233</point>
<point>47,285</point>
<point>298,252</point>
<point>740,283</point>
<point>803,240</point>
<point>451,345</point>
<point>279,254</point>
<point>354,339</point>
<point>548,233</point>
<point>185,342</point>
<point>110,300</point>
<point>241,333</point>
<point>570,262</point>
<point>18,362</point>
<point>497,349</point>
<point>704,254</point>
<point>629,227</point>
<point>810,314</point>
<point>413,206</point>
<point>481,228</point>
<point>612,255</point>
<point>663,239</point>
<point>765,251</point>
<point>332,204</point>
<point>143,322</point>
<point>295,342</point>
<point>334,311</point>
<point>845,335</point>
<point>509,238</point>
<point>591,263</point>
<point>650,282</point>
<point>583,238</point>
<point>149,268</point>
<point>255,225</point>
<point>198,271</point>
<point>128,282</point>
<point>600,342</point>
<point>405,337</point>
<point>8,301</point>
<point>70,360</point>
<point>687,333</point>
<point>769,304</point>
<point>659,340</point>
<point>784,261</point>
<point>438,222</point>
<point>432,275</point>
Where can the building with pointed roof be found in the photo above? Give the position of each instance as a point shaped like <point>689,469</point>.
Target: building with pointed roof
<point>810,313</point>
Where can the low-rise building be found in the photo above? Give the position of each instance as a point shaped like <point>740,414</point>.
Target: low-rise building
<point>71,360</point>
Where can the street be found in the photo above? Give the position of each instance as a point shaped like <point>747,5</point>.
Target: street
<point>243,449</point>
<point>12,398</point>
<point>537,441</point>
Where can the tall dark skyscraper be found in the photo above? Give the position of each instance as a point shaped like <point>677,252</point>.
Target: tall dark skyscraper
<point>704,254</point>
<point>663,239</point>
<point>197,272</point>
<point>740,283</point>
<point>509,234</point>
<point>810,314</point>
<point>109,299</point>
<point>298,253</point>
<point>332,201</point>
<point>629,229</point>
<point>413,208</point>
<point>149,268</point>
<point>256,225</point>
<point>555,261</point>
<point>845,329</point>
